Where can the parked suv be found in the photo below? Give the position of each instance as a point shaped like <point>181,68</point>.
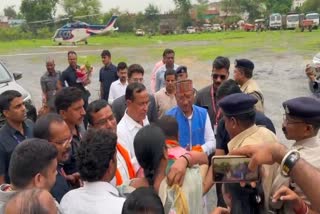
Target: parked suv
<point>8,82</point>
<point>140,32</point>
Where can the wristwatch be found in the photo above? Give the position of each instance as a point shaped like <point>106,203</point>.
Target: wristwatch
<point>288,162</point>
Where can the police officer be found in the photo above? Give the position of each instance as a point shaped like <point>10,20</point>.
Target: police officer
<point>243,73</point>
<point>301,123</point>
<point>239,116</point>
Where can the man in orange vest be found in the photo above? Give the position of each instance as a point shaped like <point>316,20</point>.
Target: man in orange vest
<point>100,116</point>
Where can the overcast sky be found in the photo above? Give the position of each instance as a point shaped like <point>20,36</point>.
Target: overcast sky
<point>124,5</point>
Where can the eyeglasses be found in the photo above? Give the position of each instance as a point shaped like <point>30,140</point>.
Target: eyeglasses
<point>216,76</point>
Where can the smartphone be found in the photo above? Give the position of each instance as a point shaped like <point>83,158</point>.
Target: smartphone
<point>233,169</point>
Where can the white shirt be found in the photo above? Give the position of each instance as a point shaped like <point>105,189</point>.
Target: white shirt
<point>117,89</point>
<point>94,197</point>
<point>126,131</point>
<point>209,139</point>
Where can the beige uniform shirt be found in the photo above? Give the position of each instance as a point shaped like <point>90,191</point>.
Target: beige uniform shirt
<point>251,87</point>
<point>164,101</point>
<point>252,136</point>
<point>310,151</point>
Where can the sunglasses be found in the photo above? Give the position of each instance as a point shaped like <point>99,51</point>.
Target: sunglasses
<point>216,76</point>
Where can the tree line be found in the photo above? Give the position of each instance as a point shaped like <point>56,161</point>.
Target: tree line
<point>149,19</point>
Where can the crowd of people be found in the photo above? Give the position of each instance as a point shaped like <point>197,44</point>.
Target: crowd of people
<point>134,152</point>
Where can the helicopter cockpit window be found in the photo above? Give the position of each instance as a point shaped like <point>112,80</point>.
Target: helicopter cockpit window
<point>67,26</point>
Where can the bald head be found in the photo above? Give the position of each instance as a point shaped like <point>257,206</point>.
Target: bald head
<point>31,201</point>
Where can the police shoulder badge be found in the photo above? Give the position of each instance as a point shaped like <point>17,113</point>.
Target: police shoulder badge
<point>287,109</point>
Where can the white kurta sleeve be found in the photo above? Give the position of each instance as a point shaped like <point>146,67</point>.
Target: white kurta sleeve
<point>112,94</point>
<point>210,141</point>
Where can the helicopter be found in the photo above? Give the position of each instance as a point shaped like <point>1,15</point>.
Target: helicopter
<point>81,31</point>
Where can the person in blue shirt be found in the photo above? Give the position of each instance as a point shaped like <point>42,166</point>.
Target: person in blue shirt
<point>107,75</point>
<point>16,129</point>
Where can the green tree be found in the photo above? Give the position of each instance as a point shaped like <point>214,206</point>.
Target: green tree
<point>230,7</point>
<point>81,7</point>
<point>152,17</point>
<point>183,8</point>
<point>127,22</point>
<point>201,8</point>
<point>140,20</point>
<point>255,8</point>
<point>311,6</point>
<point>278,6</point>
<point>36,10</point>
<point>10,12</point>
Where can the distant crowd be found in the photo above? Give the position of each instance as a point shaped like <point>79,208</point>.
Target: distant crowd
<point>139,152</point>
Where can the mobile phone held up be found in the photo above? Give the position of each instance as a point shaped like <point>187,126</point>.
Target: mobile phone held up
<point>233,169</point>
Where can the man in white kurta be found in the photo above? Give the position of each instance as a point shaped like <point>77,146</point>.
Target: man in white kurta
<point>135,116</point>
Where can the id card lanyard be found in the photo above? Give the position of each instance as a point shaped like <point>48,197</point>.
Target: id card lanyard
<point>215,112</point>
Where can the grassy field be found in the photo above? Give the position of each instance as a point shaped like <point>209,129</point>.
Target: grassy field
<point>204,46</point>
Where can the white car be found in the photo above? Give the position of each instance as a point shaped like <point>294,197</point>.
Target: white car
<point>8,82</point>
<point>191,29</point>
<point>140,32</point>
<point>216,27</point>
<point>207,27</point>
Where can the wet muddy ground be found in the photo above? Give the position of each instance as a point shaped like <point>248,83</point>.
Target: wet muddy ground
<point>280,75</point>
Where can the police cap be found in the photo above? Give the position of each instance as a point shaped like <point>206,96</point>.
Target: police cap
<point>238,103</point>
<point>306,108</point>
<point>181,69</point>
<point>244,63</point>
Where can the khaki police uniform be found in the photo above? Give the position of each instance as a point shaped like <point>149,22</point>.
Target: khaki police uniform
<point>310,151</point>
<point>240,104</point>
<point>253,136</point>
<point>306,109</point>
<point>251,87</point>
